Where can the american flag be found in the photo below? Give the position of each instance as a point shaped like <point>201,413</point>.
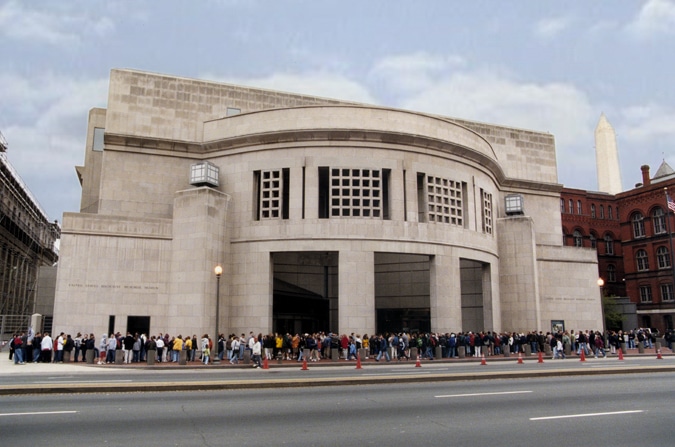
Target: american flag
<point>671,204</point>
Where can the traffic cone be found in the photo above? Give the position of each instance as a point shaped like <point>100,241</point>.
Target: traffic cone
<point>583,356</point>
<point>620,354</point>
<point>520,358</point>
<point>541,357</point>
<point>358,362</point>
<point>265,363</point>
<point>304,365</point>
<point>482,360</point>
<point>418,364</point>
<point>658,355</point>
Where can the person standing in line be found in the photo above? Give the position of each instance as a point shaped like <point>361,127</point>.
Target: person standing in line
<point>193,351</point>
<point>128,346</point>
<point>256,352</point>
<point>159,342</point>
<point>102,349</point>
<point>59,348</point>
<point>176,348</point>
<point>383,349</point>
<point>111,348</point>
<point>46,347</point>
<point>206,349</point>
<point>234,359</point>
<point>78,345</point>
<point>37,348</point>
<point>18,349</point>
<point>138,346</point>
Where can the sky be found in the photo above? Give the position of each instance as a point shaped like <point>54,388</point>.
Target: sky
<point>539,65</point>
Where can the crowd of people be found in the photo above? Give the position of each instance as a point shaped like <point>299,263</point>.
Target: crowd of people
<point>135,348</point>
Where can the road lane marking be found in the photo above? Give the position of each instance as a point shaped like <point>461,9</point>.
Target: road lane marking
<point>484,394</point>
<point>565,416</point>
<point>81,381</point>
<point>38,413</point>
<point>398,373</point>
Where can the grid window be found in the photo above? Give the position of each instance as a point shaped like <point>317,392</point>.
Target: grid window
<point>579,208</point>
<point>663,257</point>
<point>487,212</point>
<point>667,292</point>
<point>593,211</point>
<point>594,241</point>
<point>562,205</point>
<point>638,225</point>
<point>571,206</point>
<point>642,260</point>
<point>659,220</point>
<point>609,212</point>
<point>271,187</point>
<point>645,294</point>
<point>356,193</point>
<point>602,211</point>
<point>611,273</point>
<point>444,201</point>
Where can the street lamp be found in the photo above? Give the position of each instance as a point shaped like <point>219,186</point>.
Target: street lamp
<point>218,270</point>
<point>601,284</point>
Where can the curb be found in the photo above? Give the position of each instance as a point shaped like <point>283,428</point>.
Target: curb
<point>84,388</point>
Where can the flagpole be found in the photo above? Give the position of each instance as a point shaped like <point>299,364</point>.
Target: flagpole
<point>670,211</point>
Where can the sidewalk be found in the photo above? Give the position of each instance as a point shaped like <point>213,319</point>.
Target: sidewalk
<point>8,367</point>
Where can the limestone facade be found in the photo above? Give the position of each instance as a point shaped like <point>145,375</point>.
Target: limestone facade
<point>327,215</point>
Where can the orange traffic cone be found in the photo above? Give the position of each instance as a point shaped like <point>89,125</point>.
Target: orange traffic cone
<point>482,360</point>
<point>358,362</point>
<point>304,365</point>
<point>620,354</point>
<point>583,356</point>
<point>265,363</point>
<point>418,364</point>
<point>520,358</point>
<point>658,355</point>
<point>541,357</point>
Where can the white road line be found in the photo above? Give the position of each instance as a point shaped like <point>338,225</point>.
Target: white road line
<point>37,413</point>
<point>66,382</point>
<point>484,394</point>
<point>398,373</point>
<point>585,415</point>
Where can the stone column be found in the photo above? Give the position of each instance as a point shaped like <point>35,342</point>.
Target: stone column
<point>356,311</point>
<point>200,242</point>
<point>445,295</point>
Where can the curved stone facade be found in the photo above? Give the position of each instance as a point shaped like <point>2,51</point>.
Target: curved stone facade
<point>326,216</point>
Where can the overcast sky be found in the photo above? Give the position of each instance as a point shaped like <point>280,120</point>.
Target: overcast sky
<point>545,66</point>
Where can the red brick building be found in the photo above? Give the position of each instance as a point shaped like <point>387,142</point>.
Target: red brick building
<point>632,232</point>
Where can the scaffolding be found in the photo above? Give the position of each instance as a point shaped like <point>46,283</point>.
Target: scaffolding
<point>27,242</point>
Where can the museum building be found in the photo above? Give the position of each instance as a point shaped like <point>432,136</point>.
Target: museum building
<point>323,214</point>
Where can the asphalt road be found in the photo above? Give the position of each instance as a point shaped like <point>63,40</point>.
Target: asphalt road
<point>57,378</point>
<point>619,410</point>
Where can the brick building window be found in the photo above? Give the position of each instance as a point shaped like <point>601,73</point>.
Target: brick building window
<point>562,205</point>
<point>571,206</point>
<point>611,273</point>
<point>609,212</point>
<point>578,238</point>
<point>663,257</point>
<point>609,245</point>
<point>594,240</point>
<point>645,294</point>
<point>659,220</point>
<point>579,209</point>
<point>638,222</point>
<point>592,211</point>
<point>667,292</point>
<point>642,261</point>
<point>602,211</point>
